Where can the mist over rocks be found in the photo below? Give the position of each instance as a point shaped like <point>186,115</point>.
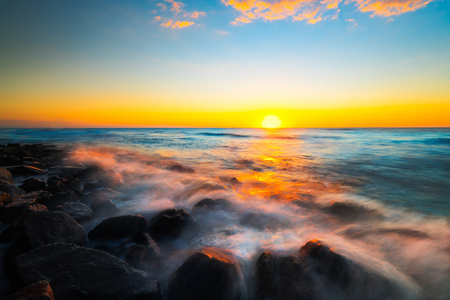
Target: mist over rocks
<point>173,224</point>
<point>119,227</point>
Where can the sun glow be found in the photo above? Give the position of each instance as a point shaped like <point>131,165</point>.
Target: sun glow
<point>271,121</point>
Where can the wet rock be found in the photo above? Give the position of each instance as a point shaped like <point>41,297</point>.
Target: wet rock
<point>173,223</point>
<point>6,176</point>
<point>212,204</point>
<point>37,228</point>
<point>103,194</point>
<point>282,277</point>
<point>119,227</point>
<point>24,170</point>
<point>9,160</point>
<point>91,173</point>
<point>104,207</point>
<point>207,187</point>
<point>13,210</point>
<point>141,251</point>
<point>235,181</point>
<point>4,198</point>
<point>7,235</point>
<point>80,273</point>
<point>110,179</point>
<point>210,273</point>
<point>54,200</point>
<point>181,169</point>
<point>14,191</point>
<point>33,184</point>
<point>62,183</point>
<point>351,212</point>
<point>72,170</point>
<point>263,220</point>
<point>40,290</point>
<point>78,211</point>
<point>91,186</point>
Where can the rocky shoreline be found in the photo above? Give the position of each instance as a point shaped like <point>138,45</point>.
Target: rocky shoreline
<point>48,253</point>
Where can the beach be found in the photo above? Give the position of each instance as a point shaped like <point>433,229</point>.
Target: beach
<point>226,213</point>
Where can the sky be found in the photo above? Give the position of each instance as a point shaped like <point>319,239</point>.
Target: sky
<point>224,63</point>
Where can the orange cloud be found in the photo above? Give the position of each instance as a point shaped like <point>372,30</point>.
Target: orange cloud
<point>177,17</point>
<point>314,11</point>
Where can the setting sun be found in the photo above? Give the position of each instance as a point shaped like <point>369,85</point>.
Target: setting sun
<point>271,121</point>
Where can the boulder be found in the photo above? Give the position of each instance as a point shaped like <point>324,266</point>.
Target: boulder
<point>141,251</point>
<point>172,224</point>
<point>181,169</point>
<point>24,170</point>
<point>6,176</point>
<point>351,212</point>
<point>37,228</point>
<point>99,194</point>
<point>13,210</point>
<point>119,227</point>
<point>40,290</point>
<point>210,273</point>
<point>104,207</point>
<point>62,183</point>
<point>212,204</point>
<point>55,200</point>
<point>33,184</point>
<point>5,198</point>
<point>14,191</point>
<point>78,211</point>
<point>92,186</point>
<point>80,273</point>
<point>282,277</point>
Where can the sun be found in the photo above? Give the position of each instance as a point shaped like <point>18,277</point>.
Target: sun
<point>271,121</point>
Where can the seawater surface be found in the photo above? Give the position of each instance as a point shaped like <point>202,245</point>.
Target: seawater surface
<point>380,197</point>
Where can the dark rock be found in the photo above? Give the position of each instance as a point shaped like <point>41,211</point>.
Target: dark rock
<point>62,183</point>
<point>55,200</point>
<point>91,186</point>
<point>110,179</point>
<point>104,207</point>
<point>210,273</point>
<point>141,251</point>
<point>6,176</point>
<point>24,170</point>
<point>5,198</point>
<point>13,210</point>
<point>181,169</point>
<point>103,194</point>
<point>208,187</point>
<point>212,204</point>
<point>282,277</point>
<point>33,184</point>
<point>119,227</point>
<point>80,273</point>
<point>40,290</point>
<point>90,173</point>
<point>38,228</point>
<point>78,211</point>
<point>9,160</point>
<point>235,181</point>
<point>7,235</point>
<point>351,212</point>
<point>173,223</point>
<point>72,170</point>
<point>14,191</point>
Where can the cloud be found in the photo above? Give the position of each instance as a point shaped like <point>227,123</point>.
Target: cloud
<point>176,17</point>
<point>313,11</point>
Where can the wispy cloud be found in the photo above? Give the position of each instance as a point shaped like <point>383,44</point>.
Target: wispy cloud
<point>313,11</point>
<point>172,14</point>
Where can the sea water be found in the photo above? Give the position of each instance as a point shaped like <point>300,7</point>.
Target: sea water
<point>380,197</point>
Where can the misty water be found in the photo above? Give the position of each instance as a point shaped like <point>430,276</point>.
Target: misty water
<point>380,197</point>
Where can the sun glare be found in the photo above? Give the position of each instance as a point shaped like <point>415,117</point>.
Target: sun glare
<point>271,121</point>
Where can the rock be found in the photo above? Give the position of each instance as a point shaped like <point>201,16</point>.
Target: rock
<point>212,204</point>
<point>110,179</point>
<point>7,235</point>
<point>99,194</point>
<point>24,170</point>
<point>141,251</point>
<point>37,228</point>
<point>14,191</point>
<point>72,170</point>
<point>5,198</point>
<point>207,187</point>
<point>210,273</point>
<point>173,223</point>
<point>352,212</point>
<point>91,186</point>
<point>40,290</point>
<point>104,207</point>
<point>62,183</point>
<point>13,210</point>
<point>119,227</point>
<point>181,169</point>
<point>78,211</point>
<point>80,273</point>
<point>33,184</point>
<point>9,160</point>
<point>58,199</point>
<point>6,176</point>
<point>235,181</point>
<point>90,173</point>
<point>282,277</point>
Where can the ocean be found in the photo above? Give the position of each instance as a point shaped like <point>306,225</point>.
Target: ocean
<point>381,197</point>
